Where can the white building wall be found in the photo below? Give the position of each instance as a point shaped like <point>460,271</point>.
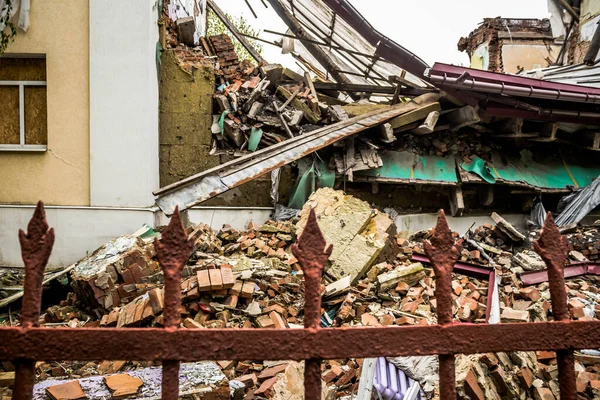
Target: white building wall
<point>123,102</point>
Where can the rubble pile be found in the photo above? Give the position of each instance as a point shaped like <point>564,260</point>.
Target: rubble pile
<point>250,279</point>
<point>461,144</point>
<point>267,108</point>
<point>518,375</point>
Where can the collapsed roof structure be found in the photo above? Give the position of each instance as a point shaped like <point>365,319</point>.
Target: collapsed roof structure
<point>445,126</point>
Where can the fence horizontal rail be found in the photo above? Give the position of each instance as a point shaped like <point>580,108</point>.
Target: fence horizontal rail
<point>85,344</point>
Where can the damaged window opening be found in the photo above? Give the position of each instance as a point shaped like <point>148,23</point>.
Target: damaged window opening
<point>23,124</point>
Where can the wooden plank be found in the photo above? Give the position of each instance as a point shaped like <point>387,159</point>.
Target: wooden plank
<point>401,79</point>
<point>414,116</point>
<point>298,105</point>
<point>457,203</point>
<point>365,386</point>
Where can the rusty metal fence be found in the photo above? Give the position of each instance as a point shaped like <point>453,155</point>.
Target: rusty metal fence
<point>171,345</point>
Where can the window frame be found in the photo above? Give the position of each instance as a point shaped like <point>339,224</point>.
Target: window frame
<point>22,146</point>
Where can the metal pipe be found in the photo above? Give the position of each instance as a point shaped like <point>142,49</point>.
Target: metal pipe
<point>547,112</point>
<point>513,90</point>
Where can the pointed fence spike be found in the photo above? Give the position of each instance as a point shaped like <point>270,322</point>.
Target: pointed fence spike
<point>553,249</point>
<point>443,252</point>
<point>173,250</point>
<point>36,246</point>
<point>312,253</point>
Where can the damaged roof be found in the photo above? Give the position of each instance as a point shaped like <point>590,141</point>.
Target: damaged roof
<point>205,185</point>
<point>579,74</point>
<point>515,96</point>
<point>362,61</point>
<point>363,54</point>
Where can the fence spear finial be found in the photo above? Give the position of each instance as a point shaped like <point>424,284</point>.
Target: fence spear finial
<point>36,246</point>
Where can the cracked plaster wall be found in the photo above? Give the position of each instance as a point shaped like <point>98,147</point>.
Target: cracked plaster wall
<point>60,175</point>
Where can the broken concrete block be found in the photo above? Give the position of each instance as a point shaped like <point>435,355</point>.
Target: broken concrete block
<point>122,385</point>
<point>507,228</point>
<point>529,261</point>
<point>7,378</point>
<point>472,387</point>
<point>578,256</point>
<point>272,371</point>
<point>525,378</point>
<point>510,315</point>
<point>541,393</point>
<point>248,380</point>
<point>289,384</point>
<point>358,234</point>
<point>410,274</point>
<point>255,109</point>
<point>199,380</point>
<point>232,130</point>
<point>227,278</point>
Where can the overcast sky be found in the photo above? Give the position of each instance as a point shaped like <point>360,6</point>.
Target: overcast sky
<point>429,28</point>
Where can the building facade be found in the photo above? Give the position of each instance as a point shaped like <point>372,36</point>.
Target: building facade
<point>80,131</point>
<point>512,45</point>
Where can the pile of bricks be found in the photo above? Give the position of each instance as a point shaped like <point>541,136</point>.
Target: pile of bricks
<point>250,279</point>
<point>586,242</point>
<point>519,375</point>
<point>224,49</point>
<point>114,274</point>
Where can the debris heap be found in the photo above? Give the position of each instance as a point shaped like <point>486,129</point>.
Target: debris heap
<point>250,279</point>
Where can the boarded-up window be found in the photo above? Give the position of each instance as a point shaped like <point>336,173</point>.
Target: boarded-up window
<point>23,107</point>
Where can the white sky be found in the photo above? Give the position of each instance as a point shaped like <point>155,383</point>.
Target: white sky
<point>429,28</point>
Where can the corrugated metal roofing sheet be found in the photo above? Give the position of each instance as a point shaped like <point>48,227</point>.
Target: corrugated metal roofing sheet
<point>406,166</point>
<point>201,187</point>
<point>579,74</point>
<point>326,26</point>
<point>545,172</point>
<point>441,69</point>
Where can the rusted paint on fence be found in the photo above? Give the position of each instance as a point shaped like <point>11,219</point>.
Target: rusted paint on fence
<point>443,253</point>
<point>172,345</point>
<point>312,253</point>
<point>172,250</point>
<point>553,249</point>
<point>36,246</point>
